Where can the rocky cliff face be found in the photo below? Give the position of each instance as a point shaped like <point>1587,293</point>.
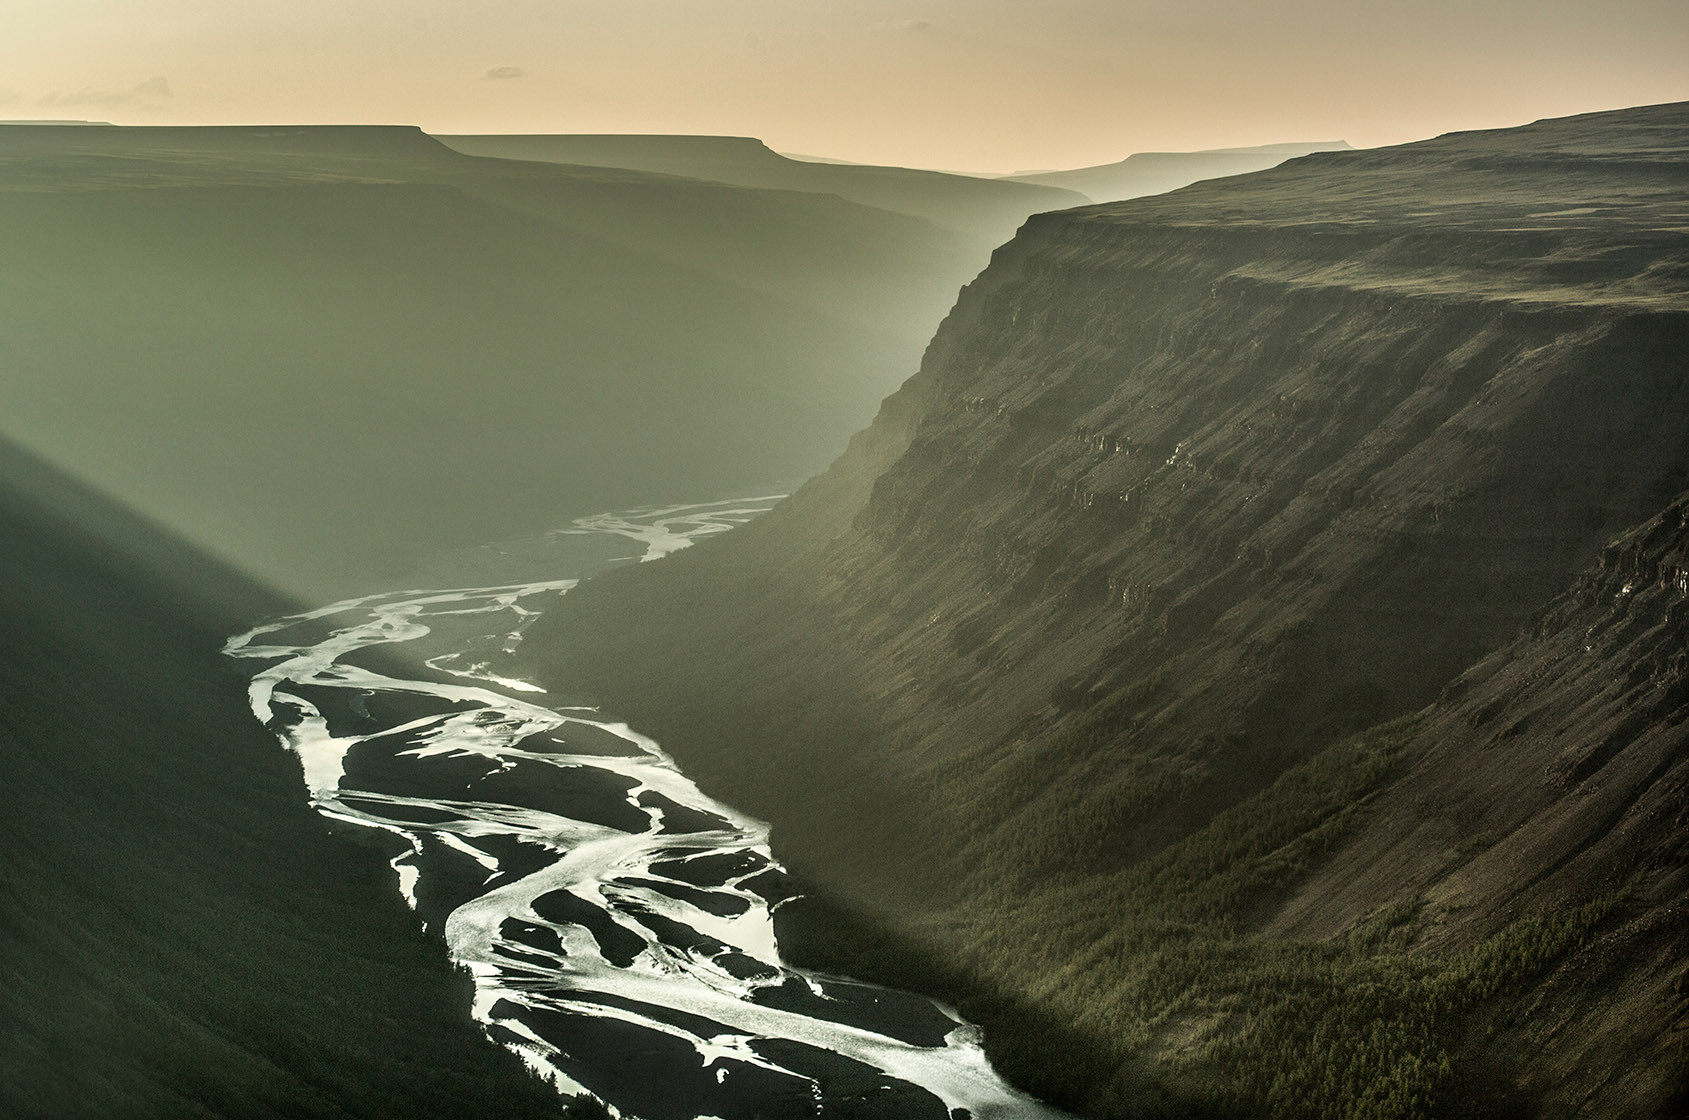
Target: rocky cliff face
<point>1187,492</point>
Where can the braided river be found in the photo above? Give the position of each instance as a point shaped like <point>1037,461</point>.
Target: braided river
<point>618,922</point>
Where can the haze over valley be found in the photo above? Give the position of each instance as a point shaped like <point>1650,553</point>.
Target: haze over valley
<point>409,341</point>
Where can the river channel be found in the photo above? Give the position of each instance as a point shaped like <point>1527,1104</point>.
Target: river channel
<point>618,922</point>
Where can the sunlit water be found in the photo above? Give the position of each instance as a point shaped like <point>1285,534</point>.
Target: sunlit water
<point>617,921</point>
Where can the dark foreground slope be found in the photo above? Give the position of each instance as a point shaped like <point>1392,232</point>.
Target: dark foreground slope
<point>982,210</point>
<point>1142,594</point>
<point>320,351</point>
<point>1145,173</point>
<point>181,935</point>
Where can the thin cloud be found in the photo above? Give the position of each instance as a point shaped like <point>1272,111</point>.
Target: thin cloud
<point>904,25</point>
<point>153,89</point>
<point>504,73</point>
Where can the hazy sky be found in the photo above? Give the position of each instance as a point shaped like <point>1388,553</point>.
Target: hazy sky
<point>987,85</point>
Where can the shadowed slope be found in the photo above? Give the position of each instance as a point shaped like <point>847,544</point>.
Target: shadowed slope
<point>182,937</point>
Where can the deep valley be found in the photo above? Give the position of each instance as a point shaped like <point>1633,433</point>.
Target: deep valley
<point>457,660</point>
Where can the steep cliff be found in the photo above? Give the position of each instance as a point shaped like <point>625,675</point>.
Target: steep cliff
<point>1064,672</point>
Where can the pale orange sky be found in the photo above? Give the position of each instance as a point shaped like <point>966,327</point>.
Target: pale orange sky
<point>984,86</point>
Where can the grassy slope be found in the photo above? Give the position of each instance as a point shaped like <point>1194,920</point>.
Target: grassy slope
<point>182,936</point>
<point>1051,682</point>
<point>319,351</point>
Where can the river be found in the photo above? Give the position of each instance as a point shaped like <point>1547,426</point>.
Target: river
<point>617,921</point>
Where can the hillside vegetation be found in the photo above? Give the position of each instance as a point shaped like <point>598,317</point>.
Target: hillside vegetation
<point>1243,665</point>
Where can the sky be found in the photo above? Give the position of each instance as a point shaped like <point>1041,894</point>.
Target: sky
<point>982,85</point>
